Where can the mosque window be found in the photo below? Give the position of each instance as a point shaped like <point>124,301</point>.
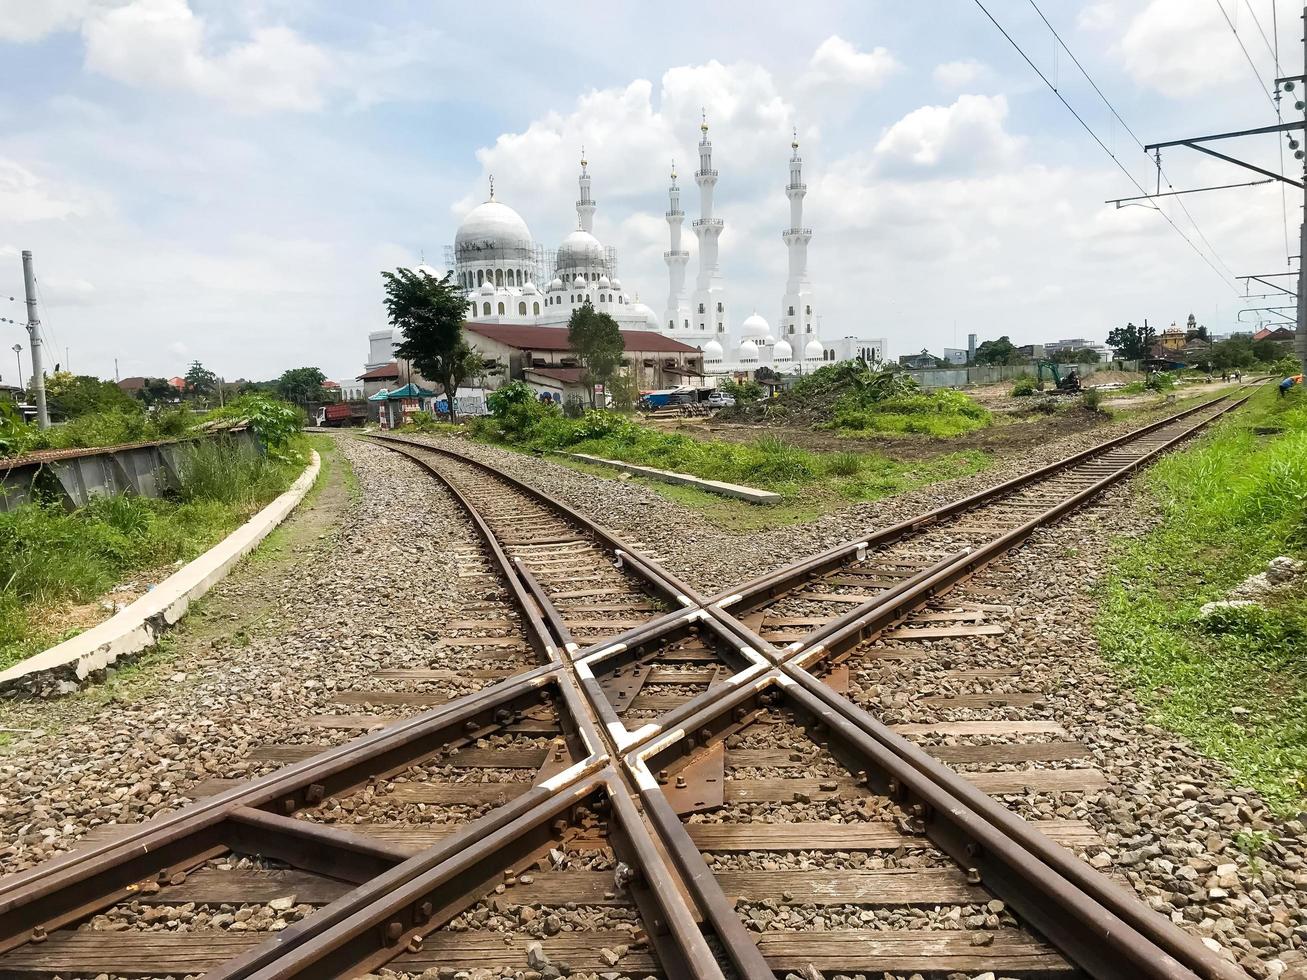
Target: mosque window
<point>671,324</point>
<point>808,310</point>
<point>808,328</point>
<point>499,278</point>
<point>702,327</point>
<point>700,307</point>
<point>687,324</point>
<point>791,328</point>
<point>519,277</point>
<point>791,311</point>
<point>501,309</point>
<point>485,309</point>
<point>480,277</point>
<point>720,327</point>
<point>621,300</point>
<point>535,308</point>
<point>521,309</point>
<point>720,308</point>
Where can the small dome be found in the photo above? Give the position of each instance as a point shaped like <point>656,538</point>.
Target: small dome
<point>782,351</point>
<point>712,351</point>
<point>604,282</point>
<point>578,282</point>
<point>580,248</point>
<point>556,284</point>
<point>616,283</point>
<point>426,270</point>
<point>530,289</point>
<point>492,225</point>
<point>755,327</point>
<point>748,351</point>
<point>487,288</point>
<point>813,351</point>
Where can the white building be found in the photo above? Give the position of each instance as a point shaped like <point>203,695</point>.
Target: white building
<point>870,349</point>
<point>508,278</point>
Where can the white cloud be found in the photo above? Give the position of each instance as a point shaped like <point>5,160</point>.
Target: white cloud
<point>1097,17</point>
<point>25,197</point>
<point>962,136</point>
<point>954,75</point>
<point>162,44</point>
<point>30,20</point>
<point>1180,48</point>
<point>838,64</point>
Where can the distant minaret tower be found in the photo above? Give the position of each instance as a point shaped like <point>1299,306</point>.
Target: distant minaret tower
<point>797,317</point>
<point>585,207</point>
<point>708,319</point>
<point>677,314</point>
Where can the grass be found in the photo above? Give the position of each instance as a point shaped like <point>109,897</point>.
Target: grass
<point>52,560</point>
<point>1235,684</point>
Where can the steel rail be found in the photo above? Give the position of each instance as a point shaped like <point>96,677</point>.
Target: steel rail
<point>896,604</point>
<point>771,584</point>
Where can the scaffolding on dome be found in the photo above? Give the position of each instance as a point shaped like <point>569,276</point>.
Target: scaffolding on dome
<point>529,257</point>
<point>610,262</point>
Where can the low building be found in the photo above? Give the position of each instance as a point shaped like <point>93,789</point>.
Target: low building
<point>956,355</point>
<point>374,380</point>
<point>870,349</point>
<point>917,362</point>
<point>1171,339</point>
<point>652,360</point>
<point>1279,335</point>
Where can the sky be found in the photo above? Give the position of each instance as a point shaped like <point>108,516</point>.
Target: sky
<point>224,181</point>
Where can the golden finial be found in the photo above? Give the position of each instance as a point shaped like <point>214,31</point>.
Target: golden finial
<point>795,143</point>
<point>583,161</point>
<point>673,170</point>
<point>703,126</point>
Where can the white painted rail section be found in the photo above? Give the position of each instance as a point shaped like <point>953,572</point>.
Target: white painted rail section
<point>65,666</point>
<point>750,494</point>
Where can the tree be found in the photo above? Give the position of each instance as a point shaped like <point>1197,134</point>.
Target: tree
<point>1083,355</point>
<point>72,395</point>
<point>300,384</point>
<point>598,344</point>
<point>155,391</point>
<point>200,381</point>
<point>1237,352</point>
<point>1196,333</point>
<point>1001,351</point>
<point>742,391</point>
<point>430,312</point>
<point>765,374</point>
<point>1132,343</point>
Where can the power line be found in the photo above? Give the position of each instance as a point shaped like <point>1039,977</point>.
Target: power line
<point>1052,88</point>
<point>1256,74</point>
<point>1116,115</point>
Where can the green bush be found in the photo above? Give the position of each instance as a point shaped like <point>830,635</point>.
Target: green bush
<point>843,464</point>
<point>1023,386</point>
<point>276,423</point>
<point>1159,381</point>
<point>231,472</point>
<point>503,398</point>
<point>1092,400</point>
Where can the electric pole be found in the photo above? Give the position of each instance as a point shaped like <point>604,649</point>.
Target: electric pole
<point>34,339</point>
<point>1288,83</point>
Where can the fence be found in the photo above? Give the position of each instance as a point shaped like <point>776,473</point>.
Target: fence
<point>994,373</point>
<point>149,469</point>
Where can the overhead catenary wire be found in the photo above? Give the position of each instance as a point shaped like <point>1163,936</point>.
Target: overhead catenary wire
<point>1088,129</point>
<point>1161,173</point>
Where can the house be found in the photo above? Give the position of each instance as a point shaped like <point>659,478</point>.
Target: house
<point>652,360</point>
<point>386,376</point>
<point>133,386</point>
<point>178,383</point>
<point>917,362</point>
<point>1279,334</point>
<point>1171,339</point>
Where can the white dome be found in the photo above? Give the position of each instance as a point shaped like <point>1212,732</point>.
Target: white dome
<point>644,312</point>
<point>754,326</point>
<point>748,351</point>
<point>814,350</point>
<point>712,351</point>
<point>487,288</point>
<point>556,284</point>
<point>604,282</point>
<point>782,351</point>
<point>616,283</point>
<point>580,248</point>
<point>426,270</point>
<point>578,282</point>
<point>493,225</point>
<point>530,289</point>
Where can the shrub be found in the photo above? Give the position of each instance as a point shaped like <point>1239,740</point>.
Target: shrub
<point>1092,400</point>
<point>503,398</point>
<point>1023,386</point>
<point>844,464</point>
<point>1159,381</point>
<point>275,422</point>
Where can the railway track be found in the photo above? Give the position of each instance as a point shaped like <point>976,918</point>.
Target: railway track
<point>612,774</point>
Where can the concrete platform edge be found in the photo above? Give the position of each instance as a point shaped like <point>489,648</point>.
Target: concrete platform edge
<point>66,666</point>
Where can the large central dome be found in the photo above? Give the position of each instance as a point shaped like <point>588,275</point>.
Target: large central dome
<point>493,225</point>
<point>580,248</point>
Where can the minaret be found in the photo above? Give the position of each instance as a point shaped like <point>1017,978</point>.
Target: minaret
<point>678,306</point>
<point>585,207</point>
<point>797,316</point>
<point>708,318</point>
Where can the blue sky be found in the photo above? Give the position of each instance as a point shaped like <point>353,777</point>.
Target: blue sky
<point>224,181</point>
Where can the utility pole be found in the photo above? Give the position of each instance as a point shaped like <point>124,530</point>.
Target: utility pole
<point>1288,83</point>
<point>34,338</point>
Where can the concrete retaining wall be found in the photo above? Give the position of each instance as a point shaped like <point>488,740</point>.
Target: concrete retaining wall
<point>994,373</point>
<point>65,667</point>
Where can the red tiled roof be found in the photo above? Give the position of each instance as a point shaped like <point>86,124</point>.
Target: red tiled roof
<point>568,376</point>
<point>526,337</point>
<point>383,373</point>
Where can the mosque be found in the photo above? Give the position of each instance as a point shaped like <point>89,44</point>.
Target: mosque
<point>509,278</point>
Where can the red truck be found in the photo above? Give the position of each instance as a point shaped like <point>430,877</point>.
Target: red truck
<point>339,414</point>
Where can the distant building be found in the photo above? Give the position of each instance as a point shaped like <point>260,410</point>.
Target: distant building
<point>917,362</point>
<point>1055,347</point>
<point>351,389</point>
<point>1033,351</point>
<point>870,349</point>
<point>133,386</point>
<point>956,355</point>
<point>381,347</point>
<point>1171,339</point>
<point>1278,334</point>
<point>376,379</point>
